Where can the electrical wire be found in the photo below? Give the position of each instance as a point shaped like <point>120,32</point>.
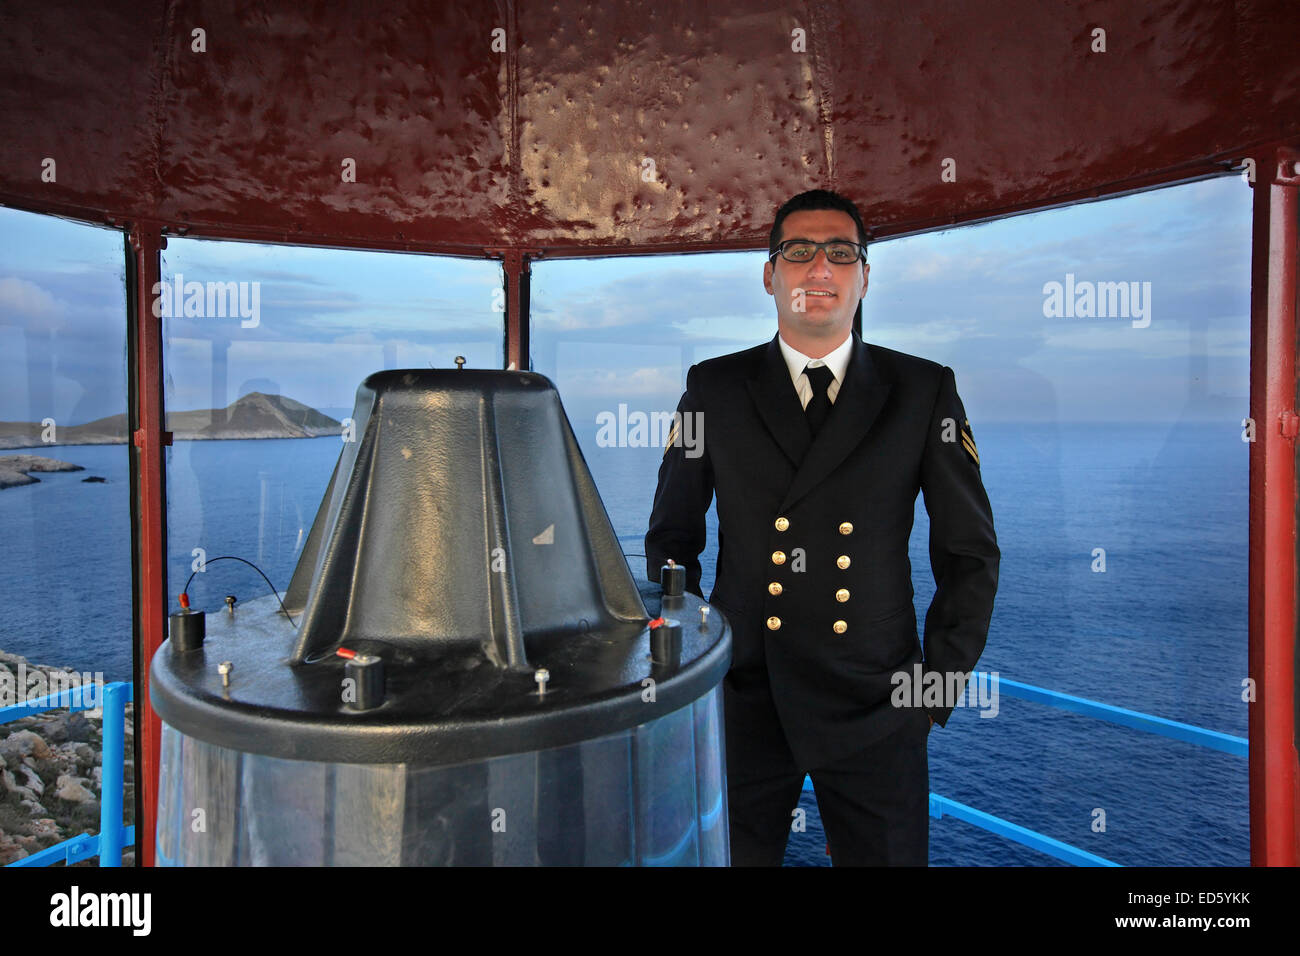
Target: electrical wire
<point>231,557</point>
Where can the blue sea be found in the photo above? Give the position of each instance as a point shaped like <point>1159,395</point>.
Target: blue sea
<point>1161,630</point>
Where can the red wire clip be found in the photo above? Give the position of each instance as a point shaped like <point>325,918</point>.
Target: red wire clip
<point>657,622</point>
<point>344,652</point>
<point>185,601</point>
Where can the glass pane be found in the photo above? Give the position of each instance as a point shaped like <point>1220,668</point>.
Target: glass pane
<point>1111,445</point>
<point>65,500</point>
<point>1109,427</point>
<point>617,336</point>
<point>264,347</point>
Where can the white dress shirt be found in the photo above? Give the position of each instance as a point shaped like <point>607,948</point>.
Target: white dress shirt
<point>837,361</point>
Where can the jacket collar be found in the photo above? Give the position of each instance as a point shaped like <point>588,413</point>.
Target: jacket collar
<point>837,360</point>
<point>862,395</point>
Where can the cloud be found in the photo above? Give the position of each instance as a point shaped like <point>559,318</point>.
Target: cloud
<point>920,335</point>
<point>1231,340</point>
<point>33,307</point>
<point>623,385</point>
<point>357,338</point>
<point>650,301</point>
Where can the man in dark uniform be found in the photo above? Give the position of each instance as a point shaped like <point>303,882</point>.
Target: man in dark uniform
<point>816,445</point>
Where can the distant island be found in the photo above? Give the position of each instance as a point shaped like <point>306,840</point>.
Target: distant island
<point>256,415</point>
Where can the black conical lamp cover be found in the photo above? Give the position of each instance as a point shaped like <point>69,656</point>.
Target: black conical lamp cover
<point>460,515</point>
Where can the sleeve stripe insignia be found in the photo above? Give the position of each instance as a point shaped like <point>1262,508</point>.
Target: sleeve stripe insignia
<point>968,443</point>
<point>672,435</point>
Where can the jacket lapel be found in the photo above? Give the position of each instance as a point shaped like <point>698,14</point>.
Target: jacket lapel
<point>861,397</point>
<point>778,404</point>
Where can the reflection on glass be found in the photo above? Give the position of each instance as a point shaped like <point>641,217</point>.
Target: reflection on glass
<point>646,796</point>
<point>65,517</point>
<point>264,347</point>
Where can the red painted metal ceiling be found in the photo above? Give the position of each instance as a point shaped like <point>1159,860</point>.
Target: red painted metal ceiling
<point>458,147</point>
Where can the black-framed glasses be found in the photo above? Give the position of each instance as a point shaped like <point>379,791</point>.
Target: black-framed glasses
<point>839,251</point>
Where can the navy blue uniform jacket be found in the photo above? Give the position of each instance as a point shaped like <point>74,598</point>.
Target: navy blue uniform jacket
<point>812,568</point>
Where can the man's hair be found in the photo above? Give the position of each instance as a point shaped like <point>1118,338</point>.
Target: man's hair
<point>815,199</point>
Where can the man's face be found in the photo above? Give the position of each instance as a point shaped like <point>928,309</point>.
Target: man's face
<point>816,300</point>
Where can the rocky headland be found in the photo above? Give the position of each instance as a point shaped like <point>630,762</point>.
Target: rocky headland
<point>15,469</point>
<point>51,774</point>
<point>256,415</point>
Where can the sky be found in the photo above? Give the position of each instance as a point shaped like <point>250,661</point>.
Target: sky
<point>625,330</point>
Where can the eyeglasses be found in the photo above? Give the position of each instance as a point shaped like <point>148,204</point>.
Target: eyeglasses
<point>839,251</point>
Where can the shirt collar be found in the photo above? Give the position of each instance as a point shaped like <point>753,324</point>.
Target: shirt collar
<point>837,360</point>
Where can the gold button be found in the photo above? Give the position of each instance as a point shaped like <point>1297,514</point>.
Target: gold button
<point>778,557</point>
<point>773,623</point>
<point>839,627</point>
<point>843,561</point>
<point>842,595</point>
<point>782,524</point>
<point>846,527</point>
<point>774,588</point>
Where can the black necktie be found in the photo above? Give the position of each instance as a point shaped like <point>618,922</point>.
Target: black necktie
<point>819,406</point>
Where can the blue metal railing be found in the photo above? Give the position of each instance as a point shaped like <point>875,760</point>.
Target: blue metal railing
<point>107,844</point>
<point>1188,733</point>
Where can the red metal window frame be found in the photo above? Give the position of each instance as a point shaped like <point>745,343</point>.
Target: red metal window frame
<point>1272,602</point>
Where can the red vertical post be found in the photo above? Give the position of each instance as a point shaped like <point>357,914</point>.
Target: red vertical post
<point>149,439</point>
<point>1273,766</point>
<point>515,262</point>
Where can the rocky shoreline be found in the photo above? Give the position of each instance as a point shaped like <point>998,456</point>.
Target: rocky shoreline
<point>14,469</point>
<point>51,774</point>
